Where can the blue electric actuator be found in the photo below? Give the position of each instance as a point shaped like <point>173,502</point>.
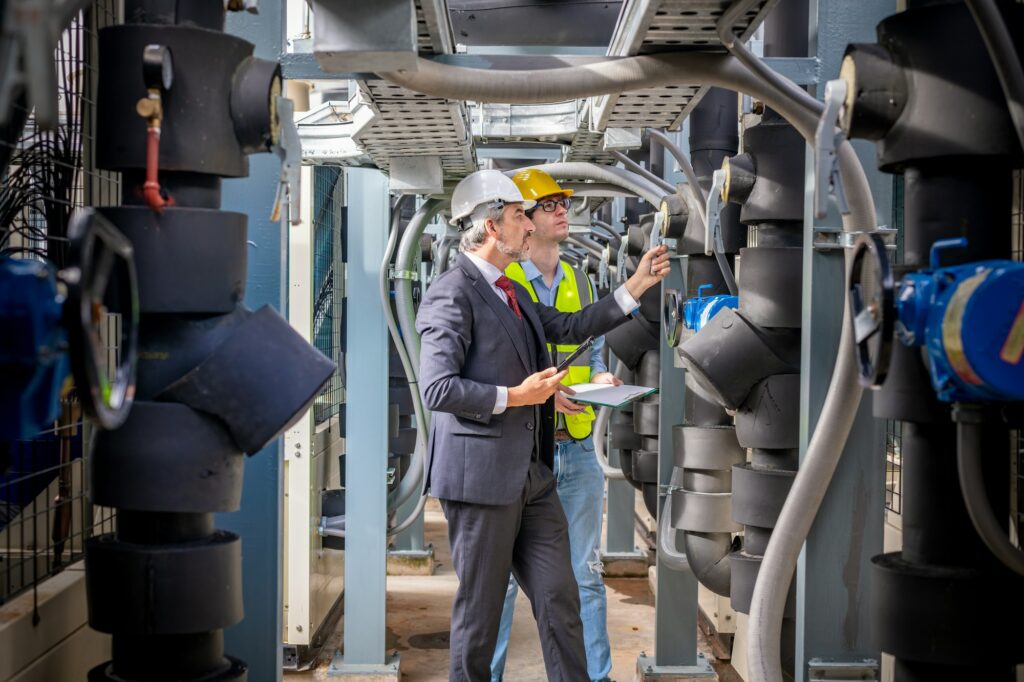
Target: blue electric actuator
<point>33,347</point>
<point>699,310</point>
<point>970,319</point>
<point>52,328</point>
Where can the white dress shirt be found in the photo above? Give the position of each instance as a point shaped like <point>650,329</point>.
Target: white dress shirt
<point>627,304</point>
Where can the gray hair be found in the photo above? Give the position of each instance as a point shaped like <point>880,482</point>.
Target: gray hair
<point>474,237</point>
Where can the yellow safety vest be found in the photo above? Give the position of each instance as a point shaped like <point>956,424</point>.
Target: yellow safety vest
<point>568,299</point>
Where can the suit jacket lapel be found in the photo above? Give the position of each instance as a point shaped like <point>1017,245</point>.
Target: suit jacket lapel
<point>500,308</point>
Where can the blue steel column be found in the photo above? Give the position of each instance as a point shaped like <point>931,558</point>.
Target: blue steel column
<point>257,639</point>
<point>620,526</point>
<point>366,429</point>
<point>621,530</point>
<point>675,612</point>
<point>833,590</point>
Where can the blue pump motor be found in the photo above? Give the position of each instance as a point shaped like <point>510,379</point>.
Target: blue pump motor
<point>33,347</point>
<point>699,310</point>
<point>970,319</point>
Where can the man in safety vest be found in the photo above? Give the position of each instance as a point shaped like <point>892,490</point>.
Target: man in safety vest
<point>580,481</point>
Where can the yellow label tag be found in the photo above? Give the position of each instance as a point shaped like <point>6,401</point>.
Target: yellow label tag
<point>1013,349</point>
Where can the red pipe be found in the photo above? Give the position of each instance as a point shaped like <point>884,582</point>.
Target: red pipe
<point>151,188</point>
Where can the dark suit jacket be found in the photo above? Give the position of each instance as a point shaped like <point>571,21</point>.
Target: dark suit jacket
<point>472,343</point>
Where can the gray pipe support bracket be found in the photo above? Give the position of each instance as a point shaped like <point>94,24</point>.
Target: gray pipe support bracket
<point>835,238</point>
<point>827,140</point>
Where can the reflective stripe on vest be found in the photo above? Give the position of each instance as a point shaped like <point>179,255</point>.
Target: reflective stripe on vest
<point>568,299</point>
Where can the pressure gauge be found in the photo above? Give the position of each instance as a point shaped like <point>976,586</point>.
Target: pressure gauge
<point>157,67</point>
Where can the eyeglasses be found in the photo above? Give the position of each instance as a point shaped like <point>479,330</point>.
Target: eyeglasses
<point>551,205</point>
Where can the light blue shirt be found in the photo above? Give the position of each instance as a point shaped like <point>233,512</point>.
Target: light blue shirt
<point>547,295</point>
<point>627,304</point>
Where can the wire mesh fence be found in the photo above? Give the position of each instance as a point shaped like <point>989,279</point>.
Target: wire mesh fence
<point>328,281</point>
<point>893,428</point>
<point>45,513</point>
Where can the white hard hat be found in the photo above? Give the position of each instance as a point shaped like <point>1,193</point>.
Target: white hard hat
<point>485,187</point>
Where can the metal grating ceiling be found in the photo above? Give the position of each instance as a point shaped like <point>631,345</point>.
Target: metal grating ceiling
<point>408,123</point>
<point>399,122</point>
<point>649,26</point>
<point>411,124</point>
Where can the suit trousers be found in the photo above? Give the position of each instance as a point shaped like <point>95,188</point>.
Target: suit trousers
<point>530,537</point>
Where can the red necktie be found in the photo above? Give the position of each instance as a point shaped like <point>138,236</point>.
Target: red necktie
<point>505,284</point>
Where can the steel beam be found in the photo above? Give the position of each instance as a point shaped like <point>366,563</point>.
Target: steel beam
<point>366,433</point>
<point>675,608</point>
<point>257,639</point>
<point>833,590</point>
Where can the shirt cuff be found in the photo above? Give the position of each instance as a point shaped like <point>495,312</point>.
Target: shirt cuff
<point>502,401</point>
<point>627,304</point>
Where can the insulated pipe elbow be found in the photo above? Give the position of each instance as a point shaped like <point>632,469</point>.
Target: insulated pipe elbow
<point>708,554</point>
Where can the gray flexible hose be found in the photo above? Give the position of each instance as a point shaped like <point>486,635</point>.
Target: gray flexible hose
<point>582,170</point>
<point>694,184</point>
<point>635,167</point>
<point>412,479</point>
<point>1004,57</point>
<point>616,75</point>
<point>589,245</point>
<point>406,262</point>
<point>671,557</point>
<point>609,230</point>
<point>684,165</point>
<point>972,486</point>
<point>782,86</point>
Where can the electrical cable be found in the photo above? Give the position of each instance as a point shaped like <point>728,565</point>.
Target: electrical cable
<point>411,478</point>
<point>581,170</point>
<point>670,556</point>
<point>979,508</point>
<point>614,236</point>
<point>634,167</point>
<point>1002,51</point>
<point>684,165</point>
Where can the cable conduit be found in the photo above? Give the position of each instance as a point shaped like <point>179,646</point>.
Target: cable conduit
<point>1004,57</point>
<point>633,167</point>
<point>972,486</point>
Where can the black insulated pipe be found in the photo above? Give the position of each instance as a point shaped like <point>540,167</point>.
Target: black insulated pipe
<point>215,379</point>
<point>747,360</point>
<point>956,161</point>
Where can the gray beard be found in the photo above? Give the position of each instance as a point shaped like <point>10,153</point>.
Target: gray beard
<point>517,255</point>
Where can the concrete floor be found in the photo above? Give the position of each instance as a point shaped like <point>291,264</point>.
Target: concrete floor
<point>418,620</point>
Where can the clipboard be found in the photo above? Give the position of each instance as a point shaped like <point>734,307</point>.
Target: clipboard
<point>606,395</point>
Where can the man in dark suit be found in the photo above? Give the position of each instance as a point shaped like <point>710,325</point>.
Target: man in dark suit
<point>486,376</point>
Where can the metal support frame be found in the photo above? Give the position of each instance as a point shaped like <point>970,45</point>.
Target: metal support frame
<point>675,610</point>
<point>257,639</point>
<point>833,590</point>
<point>620,542</point>
<point>366,432</point>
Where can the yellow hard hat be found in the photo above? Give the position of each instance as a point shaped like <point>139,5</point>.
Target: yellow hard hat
<point>535,184</point>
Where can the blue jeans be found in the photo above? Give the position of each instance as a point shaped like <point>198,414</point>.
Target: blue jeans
<point>581,492</point>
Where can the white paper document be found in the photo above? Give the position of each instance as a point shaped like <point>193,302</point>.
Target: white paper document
<point>607,395</point>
